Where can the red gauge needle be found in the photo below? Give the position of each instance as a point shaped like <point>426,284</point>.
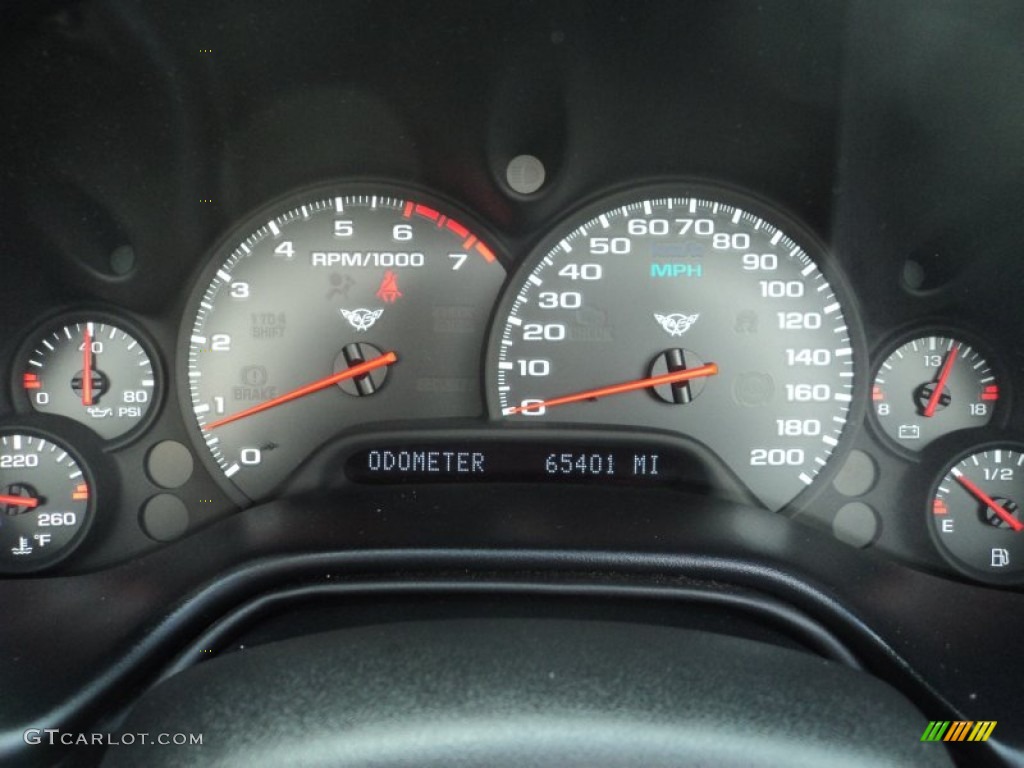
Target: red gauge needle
<point>933,401</point>
<point>87,367</point>
<point>349,373</point>
<point>617,389</point>
<point>19,501</point>
<point>988,501</point>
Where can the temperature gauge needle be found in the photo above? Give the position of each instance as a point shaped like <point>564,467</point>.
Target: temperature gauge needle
<point>349,373</point>
<point>947,366</point>
<point>87,366</point>
<point>617,389</point>
<point>988,501</point>
<point>19,501</point>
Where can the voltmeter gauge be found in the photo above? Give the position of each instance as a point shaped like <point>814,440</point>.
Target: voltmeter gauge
<point>93,372</point>
<point>976,514</point>
<point>932,386</point>
<point>46,502</point>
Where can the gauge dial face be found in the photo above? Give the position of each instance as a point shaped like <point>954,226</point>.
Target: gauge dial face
<point>686,314</point>
<point>92,372</point>
<point>335,310</point>
<point>976,514</point>
<point>45,502</point>
<point>930,387</point>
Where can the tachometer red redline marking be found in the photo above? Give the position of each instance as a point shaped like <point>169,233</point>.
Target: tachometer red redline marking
<point>86,367</point>
<point>484,251</point>
<point>458,229</point>
<point>933,401</point>
<point>388,358</point>
<point>469,241</point>
<point>427,213</point>
<point>988,501</point>
<point>19,501</point>
<point>710,369</point>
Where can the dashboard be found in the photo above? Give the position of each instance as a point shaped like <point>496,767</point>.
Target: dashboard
<point>329,315</point>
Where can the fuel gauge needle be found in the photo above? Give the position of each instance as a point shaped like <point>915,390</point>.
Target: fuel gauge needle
<point>387,358</point>
<point>710,369</point>
<point>988,501</point>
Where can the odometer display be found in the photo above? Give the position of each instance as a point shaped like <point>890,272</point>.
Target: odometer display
<point>687,314</point>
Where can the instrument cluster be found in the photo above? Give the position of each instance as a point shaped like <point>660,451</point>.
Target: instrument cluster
<point>357,334</point>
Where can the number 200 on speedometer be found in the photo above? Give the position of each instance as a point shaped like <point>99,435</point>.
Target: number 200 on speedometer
<point>699,315</point>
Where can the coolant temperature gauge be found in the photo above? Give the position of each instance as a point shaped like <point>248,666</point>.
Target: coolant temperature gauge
<point>92,372</point>
<point>930,387</point>
<point>46,502</point>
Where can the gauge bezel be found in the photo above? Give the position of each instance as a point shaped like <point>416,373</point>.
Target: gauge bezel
<point>21,400</point>
<point>244,226</point>
<point>813,245</point>
<point>60,555</point>
<point>964,569</point>
<point>923,329</point>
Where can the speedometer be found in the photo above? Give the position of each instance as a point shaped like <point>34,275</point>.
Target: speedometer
<point>704,315</point>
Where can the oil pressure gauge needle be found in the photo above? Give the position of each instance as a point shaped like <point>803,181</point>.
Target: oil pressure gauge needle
<point>710,369</point>
<point>87,366</point>
<point>947,366</point>
<point>988,501</point>
<point>387,358</point>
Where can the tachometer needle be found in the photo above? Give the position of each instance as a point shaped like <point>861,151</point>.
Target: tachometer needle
<point>947,366</point>
<point>19,501</point>
<point>87,366</point>
<point>709,369</point>
<point>349,373</point>
<point>988,501</point>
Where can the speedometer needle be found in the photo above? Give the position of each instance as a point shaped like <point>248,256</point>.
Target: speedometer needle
<point>933,401</point>
<point>617,389</point>
<point>988,501</point>
<point>349,373</point>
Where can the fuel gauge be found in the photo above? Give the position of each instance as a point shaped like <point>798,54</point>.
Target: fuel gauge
<point>976,514</point>
<point>932,386</point>
<point>91,371</point>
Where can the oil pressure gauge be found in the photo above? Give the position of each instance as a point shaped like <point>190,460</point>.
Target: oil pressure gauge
<point>91,371</point>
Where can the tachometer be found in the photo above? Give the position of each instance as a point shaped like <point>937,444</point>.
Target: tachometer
<point>334,309</point>
<point>693,314</point>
